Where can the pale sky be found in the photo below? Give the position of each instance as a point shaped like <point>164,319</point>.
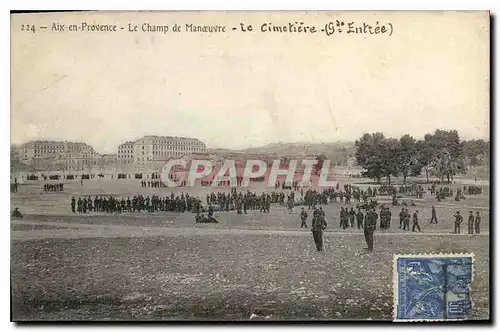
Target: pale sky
<point>237,90</point>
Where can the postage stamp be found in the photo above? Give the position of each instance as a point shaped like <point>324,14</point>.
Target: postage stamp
<point>433,287</point>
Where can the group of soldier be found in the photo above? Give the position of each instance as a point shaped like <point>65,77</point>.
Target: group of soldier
<point>53,187</point>
<point>319,224</point>
<point>346,216</point>
<point>152,184</point>
<point>404,220</point>
<point>444,192</point>
<point>138,203</point>
<point>473,223</point>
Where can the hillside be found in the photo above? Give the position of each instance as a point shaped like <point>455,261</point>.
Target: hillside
<point>336,152</point>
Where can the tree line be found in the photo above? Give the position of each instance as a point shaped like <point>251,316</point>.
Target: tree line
<point>441,153</point>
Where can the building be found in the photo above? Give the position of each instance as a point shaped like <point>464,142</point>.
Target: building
<point>149,153</point>
<point>58,156</point>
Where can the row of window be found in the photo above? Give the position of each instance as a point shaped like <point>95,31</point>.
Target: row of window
<point>49,147</point>
<point>169,142</point>
<point>166,147</point>
<point>163,152</point>
<point>41,155</point>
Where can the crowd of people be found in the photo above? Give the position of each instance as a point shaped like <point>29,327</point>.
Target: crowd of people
<point>153,184</point>
<point>138,203</point>
<point>443,192</point>
<point>363,215</point>
<point>53,187</point>
<point>473,222</point>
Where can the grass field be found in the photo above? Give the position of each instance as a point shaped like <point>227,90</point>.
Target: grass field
<point>163,266</point>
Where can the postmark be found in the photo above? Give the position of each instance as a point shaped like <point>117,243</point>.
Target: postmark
<point>433,287</point>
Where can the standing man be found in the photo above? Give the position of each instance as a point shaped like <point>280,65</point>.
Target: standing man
<point>402,218</point>
<point>470,223</point>
<point>352,216</point>
<point>303,217</point>
<point>73,203</point>
<point>478,222</point>
<point>360,217</point>
<point>370,225</point>
<point>433,217</point>
<point>317,228</point>
<point>210,211</point>
<point>458,220</point>
<point>342,217</point>
<point>406,221</point>
<point>415,222</point>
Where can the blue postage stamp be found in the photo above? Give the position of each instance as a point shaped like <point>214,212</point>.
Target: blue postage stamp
<point>432,287</point>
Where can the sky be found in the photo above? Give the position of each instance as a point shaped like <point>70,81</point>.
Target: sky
<point>237,90</point>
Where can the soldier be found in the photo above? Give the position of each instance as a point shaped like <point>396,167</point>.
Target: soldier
<point>79,205</point>
<point>388,216</point>
<point>370,225</point>
<point>458,221</point>
<point>352,216</point>
<point>470,223</point>
<point>433,217</point>
<point>210,211</point>
<point>382,217</point>
<point>477,223</point>
<point>303,217</point>
<point>360,217</point>
<point>73,202</point>
<point>317,228</point>
<point>129,205</point>
<point>406,224</point>
<point>84,205</point>
<point>401,218</point>
<point>343,218</point>
<point>415,222</point>
<point>16,214</point>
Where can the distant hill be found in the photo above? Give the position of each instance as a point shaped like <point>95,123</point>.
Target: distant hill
<point>336,152</point>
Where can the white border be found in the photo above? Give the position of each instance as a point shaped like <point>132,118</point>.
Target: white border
<point>493,5</point>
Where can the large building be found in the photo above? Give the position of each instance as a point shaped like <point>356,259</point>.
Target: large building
<point>149,152</point>
<point>58,155</point>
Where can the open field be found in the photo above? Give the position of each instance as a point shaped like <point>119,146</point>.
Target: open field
<point>162,265</point>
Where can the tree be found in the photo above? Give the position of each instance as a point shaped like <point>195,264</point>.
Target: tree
<point>370,153</point>
<point>425,153</point>
<point>448,158</point>
<point>406,156</point>
<point>476,151</point>
<point>389,150</point>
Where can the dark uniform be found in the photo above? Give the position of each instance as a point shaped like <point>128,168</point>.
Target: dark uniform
<point>317,228</point>
<point>415,222</point>
<point>352,216</point>
<point>406,221</point>
<point>402,218</point>
<point>16,214</point>
<point>434,217</point>
<point>370,225</point>
<point>477,223</point>
<point>303,217</point>
<point>359,218</point>
<point>458,220</point>
<point>73,203</point>
<point>470,223</point>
